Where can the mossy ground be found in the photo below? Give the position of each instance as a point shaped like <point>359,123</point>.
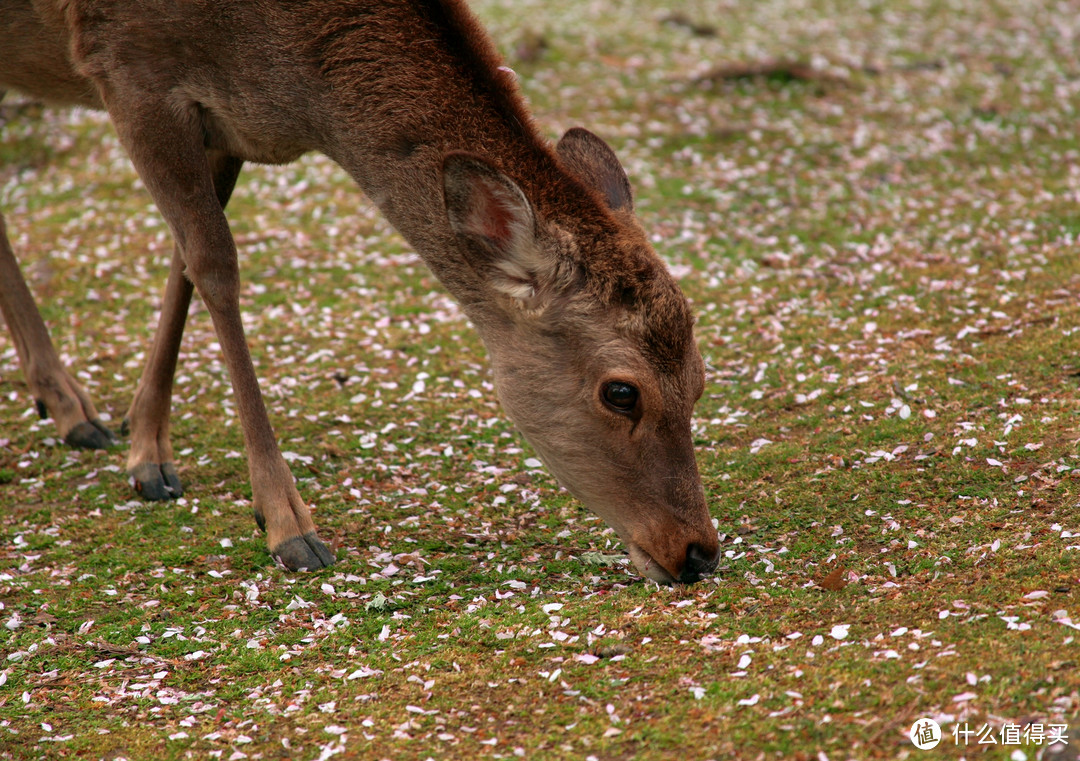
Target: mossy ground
<point>882,255</point>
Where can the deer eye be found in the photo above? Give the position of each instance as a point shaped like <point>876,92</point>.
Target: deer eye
<point>621,397</point>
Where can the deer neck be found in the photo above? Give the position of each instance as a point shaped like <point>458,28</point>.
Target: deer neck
<point>405,182</point>
<point>390,127</point>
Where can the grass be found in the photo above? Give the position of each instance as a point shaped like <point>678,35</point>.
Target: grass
<point>883,264</point>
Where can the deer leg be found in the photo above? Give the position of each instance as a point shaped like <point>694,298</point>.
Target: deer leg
<point>166,146</point>
<point>150,459</point>
<point>55,392</point>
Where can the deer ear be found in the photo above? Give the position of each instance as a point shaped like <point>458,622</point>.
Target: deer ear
<point>593,162</point>
<point>490,211</point>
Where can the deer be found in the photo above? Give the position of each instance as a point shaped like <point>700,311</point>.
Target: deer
<point>589,337</point>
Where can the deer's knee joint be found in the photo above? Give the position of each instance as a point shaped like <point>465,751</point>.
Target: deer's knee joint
<point>218,292</point>
<point>216,277</point>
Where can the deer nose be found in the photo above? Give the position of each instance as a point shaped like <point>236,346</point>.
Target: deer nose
<point>699,562</point>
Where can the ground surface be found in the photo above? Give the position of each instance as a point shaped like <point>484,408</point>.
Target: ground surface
<point>873,207</point>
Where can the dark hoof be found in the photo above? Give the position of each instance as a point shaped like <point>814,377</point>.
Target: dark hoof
<point>91,434</point>
<point>157,482</point>
<point>303,553</point>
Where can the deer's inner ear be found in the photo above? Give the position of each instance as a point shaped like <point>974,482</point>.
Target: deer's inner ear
<point>498,226</point>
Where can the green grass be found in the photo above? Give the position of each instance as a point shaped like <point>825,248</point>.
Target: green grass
<point>883,265</point>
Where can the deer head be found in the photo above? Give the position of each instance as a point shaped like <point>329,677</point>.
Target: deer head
<point>592,346</point>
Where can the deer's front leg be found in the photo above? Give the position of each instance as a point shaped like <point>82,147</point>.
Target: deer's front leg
<point>165,145</point>
<point>55,391</point>
<point>150,460</point>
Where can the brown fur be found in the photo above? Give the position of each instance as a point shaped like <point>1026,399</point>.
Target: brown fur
<point>538,243</point>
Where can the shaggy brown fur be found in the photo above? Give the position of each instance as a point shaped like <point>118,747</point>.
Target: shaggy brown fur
<point>537,242</point>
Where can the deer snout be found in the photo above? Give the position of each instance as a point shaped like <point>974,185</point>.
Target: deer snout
<point>700,562</point>
<point>665,564</point>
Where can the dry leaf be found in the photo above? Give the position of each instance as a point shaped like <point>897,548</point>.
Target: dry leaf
<point>835,581</point>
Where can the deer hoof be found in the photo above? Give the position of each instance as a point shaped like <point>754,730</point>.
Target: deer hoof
<point>303,553</point>
<point>156,482</point>
<point>91,434</point>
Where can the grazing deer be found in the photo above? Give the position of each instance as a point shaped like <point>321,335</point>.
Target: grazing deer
<point>590,338</point>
